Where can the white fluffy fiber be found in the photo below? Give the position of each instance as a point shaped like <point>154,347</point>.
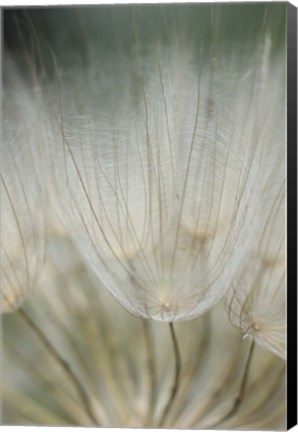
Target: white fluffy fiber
<point>161,163</point>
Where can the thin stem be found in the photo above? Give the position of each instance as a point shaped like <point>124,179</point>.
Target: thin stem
<point>151,371</point>
<point>176,377</point>
<point>63,363</point>
<point>242,388</point>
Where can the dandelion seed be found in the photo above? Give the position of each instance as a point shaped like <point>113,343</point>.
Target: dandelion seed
<point>257,302</point>
<point>157,182</point>
<point>22,224</point>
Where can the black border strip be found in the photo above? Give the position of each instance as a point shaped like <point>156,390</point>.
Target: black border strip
<point>292,214</point>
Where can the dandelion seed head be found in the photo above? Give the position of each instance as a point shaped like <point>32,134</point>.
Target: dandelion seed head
<point>164,167</point>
